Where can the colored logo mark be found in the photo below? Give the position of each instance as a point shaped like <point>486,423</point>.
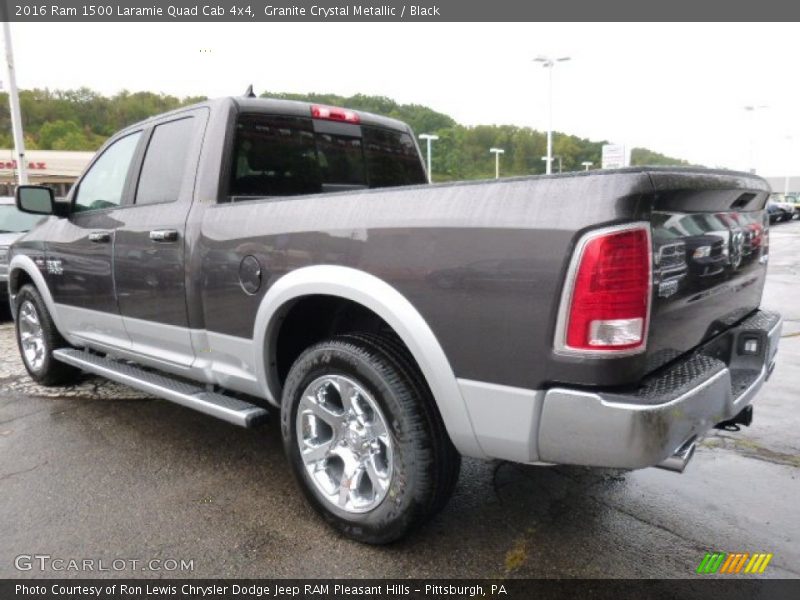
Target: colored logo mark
<point>734,562</point>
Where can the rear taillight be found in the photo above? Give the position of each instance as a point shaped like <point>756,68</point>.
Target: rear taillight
<point>606,303</point>
<point>332,113</point>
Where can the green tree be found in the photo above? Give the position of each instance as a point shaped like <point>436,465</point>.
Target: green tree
<point>63,135</point>
<point>643,156</point>
<point>82,119</point>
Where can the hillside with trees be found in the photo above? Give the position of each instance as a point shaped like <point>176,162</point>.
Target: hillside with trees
<point>82,120</point>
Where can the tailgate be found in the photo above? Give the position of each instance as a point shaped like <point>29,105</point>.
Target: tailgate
<point>710,249</point>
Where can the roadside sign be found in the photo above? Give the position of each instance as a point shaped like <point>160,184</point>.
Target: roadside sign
<point>615,156</point>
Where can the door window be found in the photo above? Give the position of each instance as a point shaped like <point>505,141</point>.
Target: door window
<point>165,162</point>
<point>104,183</point>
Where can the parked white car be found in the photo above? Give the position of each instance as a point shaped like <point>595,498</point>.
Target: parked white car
<point>13,224</point>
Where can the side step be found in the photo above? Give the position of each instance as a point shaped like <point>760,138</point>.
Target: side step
<point>189,395</point>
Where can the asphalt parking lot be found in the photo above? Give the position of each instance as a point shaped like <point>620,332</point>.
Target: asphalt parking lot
<point>99,471</point>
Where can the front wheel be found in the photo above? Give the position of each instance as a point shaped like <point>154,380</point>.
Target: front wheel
<point>364,439</point>
<point>37,337</point>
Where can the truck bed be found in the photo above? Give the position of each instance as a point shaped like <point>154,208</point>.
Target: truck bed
<point>480,259</point>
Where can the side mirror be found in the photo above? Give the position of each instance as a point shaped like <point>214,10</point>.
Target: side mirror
<point>35,199</point>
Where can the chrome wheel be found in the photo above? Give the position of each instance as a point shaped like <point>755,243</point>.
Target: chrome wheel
<point>345,444</point>
<point>31,335</point>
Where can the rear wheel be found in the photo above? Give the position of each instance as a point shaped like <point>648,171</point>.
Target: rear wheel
<point>364,439</point>
<point>37,337</point>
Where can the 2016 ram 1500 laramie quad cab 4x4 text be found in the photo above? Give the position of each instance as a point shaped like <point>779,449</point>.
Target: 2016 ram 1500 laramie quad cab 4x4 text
<point>604,318</point>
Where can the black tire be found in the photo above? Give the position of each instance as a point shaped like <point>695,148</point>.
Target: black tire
<point>425,465</point>
<point>51,372</point>
<point>449,468</point>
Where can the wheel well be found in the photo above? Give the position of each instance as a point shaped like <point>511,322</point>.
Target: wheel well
<point>17,279</point>
<point>311,319</point>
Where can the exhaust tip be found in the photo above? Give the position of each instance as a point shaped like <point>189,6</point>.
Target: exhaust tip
<point>678,461</point>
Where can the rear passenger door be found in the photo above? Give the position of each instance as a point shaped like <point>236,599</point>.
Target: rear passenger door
<point>149,248</point>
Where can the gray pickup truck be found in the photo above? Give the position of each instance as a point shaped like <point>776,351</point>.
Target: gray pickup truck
<point>244,255</point>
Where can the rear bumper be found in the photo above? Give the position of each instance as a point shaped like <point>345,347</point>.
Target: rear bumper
<point>644,427</point>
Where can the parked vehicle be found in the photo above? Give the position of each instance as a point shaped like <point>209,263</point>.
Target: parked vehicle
<point>397,325</point>
<point>13,223</point>
<point>780,211</point>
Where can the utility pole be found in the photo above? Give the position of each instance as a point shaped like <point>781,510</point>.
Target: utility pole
<point>429,137</point>
<point>549,63</point>
<point>497,152</point>
<point>13,99</point>
<point>789,147</point>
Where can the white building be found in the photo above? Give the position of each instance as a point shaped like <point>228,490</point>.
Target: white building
<point>779,184</point>
<point>55,168</point>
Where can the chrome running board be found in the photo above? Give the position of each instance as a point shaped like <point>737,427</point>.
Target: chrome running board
<point>227,408</point>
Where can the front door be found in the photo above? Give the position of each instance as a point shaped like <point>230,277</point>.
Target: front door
<point>149,247</point>
<point>78,266</point>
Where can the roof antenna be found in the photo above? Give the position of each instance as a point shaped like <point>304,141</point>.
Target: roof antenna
<point>249,93</point>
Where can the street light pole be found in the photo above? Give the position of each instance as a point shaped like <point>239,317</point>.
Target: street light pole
<point>549,63</point>
<point>789,147</point>
<point>497,152</point>
<point>428,137</point>
<point>13,100</point>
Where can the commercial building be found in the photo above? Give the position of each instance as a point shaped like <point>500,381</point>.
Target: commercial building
<point>55,168</point>
<point>780,184</point>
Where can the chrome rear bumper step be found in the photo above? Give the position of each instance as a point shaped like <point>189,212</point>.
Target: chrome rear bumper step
<point>227,408</point>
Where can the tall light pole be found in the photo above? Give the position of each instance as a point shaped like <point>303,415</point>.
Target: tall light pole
<point>13,99</point>
<point>586,164</point>
<point>429,137</point>
<point>789,157</point>
<point>549,63</point>
<point>751,109</point>
<point>497,152</point>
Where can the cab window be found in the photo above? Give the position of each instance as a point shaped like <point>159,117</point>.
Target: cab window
<point>275,156</point>
<point>288,156</point>
<point>165,162</point>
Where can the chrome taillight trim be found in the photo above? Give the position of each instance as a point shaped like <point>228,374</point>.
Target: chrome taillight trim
<point>560,345</point>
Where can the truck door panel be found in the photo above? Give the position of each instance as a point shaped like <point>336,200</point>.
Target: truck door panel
<point>149,252</point>
<point>79,264</point>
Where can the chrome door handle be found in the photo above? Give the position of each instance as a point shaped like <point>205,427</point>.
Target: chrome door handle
<point>100,237</point>
<point>164,235</point>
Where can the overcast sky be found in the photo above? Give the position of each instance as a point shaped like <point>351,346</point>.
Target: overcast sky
<point>674,88</point>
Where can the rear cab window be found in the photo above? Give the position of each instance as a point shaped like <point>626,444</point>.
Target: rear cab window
<point>288,155</point>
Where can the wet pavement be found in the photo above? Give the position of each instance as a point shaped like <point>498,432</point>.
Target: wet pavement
<point>100,471</point>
